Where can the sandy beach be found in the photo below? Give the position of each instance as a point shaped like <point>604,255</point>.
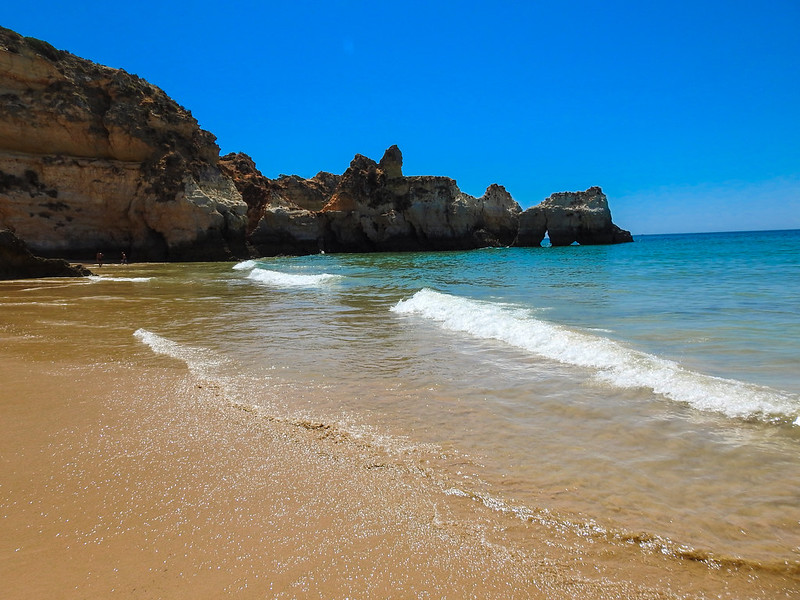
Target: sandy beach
<point>136,478</point>
<point>360,324</point>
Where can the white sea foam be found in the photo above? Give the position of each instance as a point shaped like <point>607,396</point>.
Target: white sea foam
<point>200,362</point>
<point>280,279</point>
<point>610,361</point>
<point>244,265</point>
<point>124,279</point>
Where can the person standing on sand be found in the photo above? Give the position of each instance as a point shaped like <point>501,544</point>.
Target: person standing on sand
<point>99,259</point>
<point>124,259</point>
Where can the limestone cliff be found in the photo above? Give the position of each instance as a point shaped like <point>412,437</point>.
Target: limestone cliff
<point>567,217</point>
<point>288,191</point>
<point>93,158</point>
<point>371,207</point>
<point>96,159</point>
<point>376,207</point>
<point>283,213</point>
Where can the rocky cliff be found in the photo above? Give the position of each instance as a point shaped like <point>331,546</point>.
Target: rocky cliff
<point>371,207</point>
<point>282,213</point>
<point>93,158</point>
<point>376,207</point>
<point>96,159</point>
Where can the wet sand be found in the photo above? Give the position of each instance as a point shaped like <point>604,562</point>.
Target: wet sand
<point>136,479</point>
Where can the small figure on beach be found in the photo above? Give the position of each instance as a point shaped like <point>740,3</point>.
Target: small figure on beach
<point>124,259</point>
<point>99,259</point>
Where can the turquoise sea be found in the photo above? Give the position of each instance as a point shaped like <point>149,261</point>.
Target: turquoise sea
<point>650,390</point>
<point>646,393</point>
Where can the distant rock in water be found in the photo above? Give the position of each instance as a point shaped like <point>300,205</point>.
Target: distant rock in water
<point>95,158</point>
<point>17,261</point>
<point>371,207</point>
<point>567,217</point>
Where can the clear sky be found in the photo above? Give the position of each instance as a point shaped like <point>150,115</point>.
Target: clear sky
<point>686,113</point>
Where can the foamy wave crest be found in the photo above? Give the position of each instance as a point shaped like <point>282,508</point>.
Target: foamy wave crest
<point>610,361</point>
<point>279,279</point>
<point>199,361</point>
<point>127,279</point>
<point>244,265</point>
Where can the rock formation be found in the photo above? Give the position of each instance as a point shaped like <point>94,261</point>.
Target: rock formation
<point>371,207</point>
<point>376,207</point>
<point>567,217</point>
<point>93,158</point>
<point>282,213</point>
<point>17,261</point>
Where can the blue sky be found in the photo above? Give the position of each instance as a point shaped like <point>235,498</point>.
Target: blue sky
<point>687,114</point>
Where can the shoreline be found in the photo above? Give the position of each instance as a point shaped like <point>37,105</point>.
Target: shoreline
<point>143,480</point>
<point>126,471</point>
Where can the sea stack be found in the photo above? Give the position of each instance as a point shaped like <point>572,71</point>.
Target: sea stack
<point>569,217</point>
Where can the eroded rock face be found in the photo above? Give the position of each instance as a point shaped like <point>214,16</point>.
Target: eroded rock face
<point>291,191</point>
<point>376,207</point>
<point>283,214</point>
<point>17,261</point>
<point>371,207</point>
<point>93,158</point>
<point>96,159</point>
<point>567,217</point>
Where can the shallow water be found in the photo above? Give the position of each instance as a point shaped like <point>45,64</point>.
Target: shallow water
<point>646,393</point>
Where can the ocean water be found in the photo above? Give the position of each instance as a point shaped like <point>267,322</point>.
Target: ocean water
<point>645,393</point>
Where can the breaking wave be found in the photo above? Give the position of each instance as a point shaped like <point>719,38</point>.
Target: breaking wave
<point>244,265</point>
<point>126,279</point>
<point>200,362</point>
<point>280,279</point>
<point>610,361</point>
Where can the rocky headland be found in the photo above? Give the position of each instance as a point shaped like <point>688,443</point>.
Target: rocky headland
<point>371,207</point>
<point>97,159</point>
<point>374,207</point>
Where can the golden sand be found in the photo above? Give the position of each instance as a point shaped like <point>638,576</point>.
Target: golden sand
<point>135,479</point>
